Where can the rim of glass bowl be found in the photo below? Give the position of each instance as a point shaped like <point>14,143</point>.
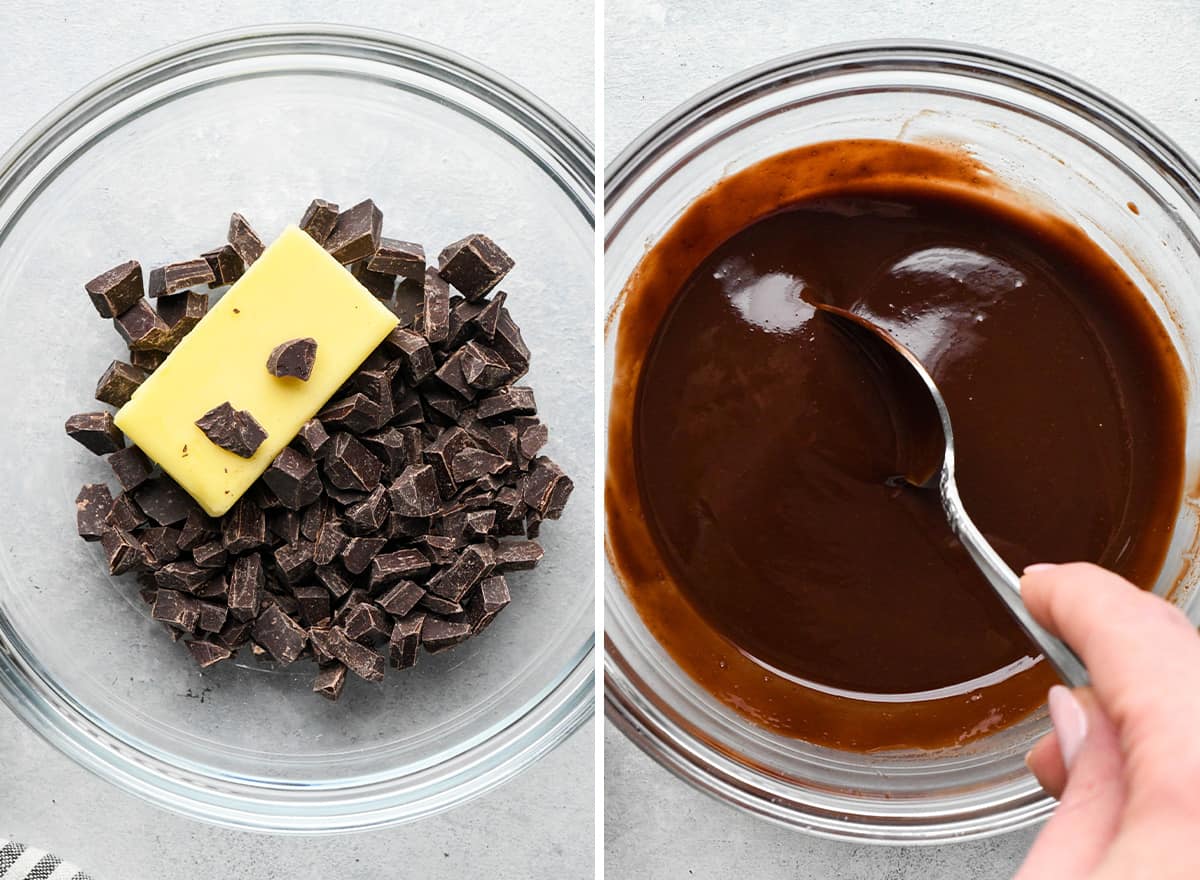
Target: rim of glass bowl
<point>639,714</point>
<point>464,770</point>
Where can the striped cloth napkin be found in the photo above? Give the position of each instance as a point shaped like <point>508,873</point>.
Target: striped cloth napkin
<point>20,862</point>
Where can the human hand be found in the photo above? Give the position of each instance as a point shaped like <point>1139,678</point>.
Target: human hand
<point>1124,757</point>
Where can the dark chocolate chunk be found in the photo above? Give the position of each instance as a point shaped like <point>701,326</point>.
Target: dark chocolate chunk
<point>356,413</point>
<point>507,343</point>
<point>196,530</point>
<point>390,448</point>
<point>295,561</point>
<point>284,525</point>
<point>182,312</point>
<point>415,492</point>
<point>546,488</point>
<point>122,550</point>
<point>480,522</point>
<point>234,634</point>
<point>142,328</point>
<point>211,555</point>
<point>318,220</point>
<point>439,634</point>
<point>232,429</point>
<point>176,609</point>
<point>148,360</point>
<point>331,540</point>
<point>283,638</point>
<point>515,401</point>
<point>409,301</point>
<point>131,467</point>
<point>365,623</point>
<point>440,549</point>
<point>313,438</point>
<point>116,290</point>
<point>119,382</point>
<point>330,682</point>
<point>294,479</point>
<point>483,605</point>
<point>350,466</point>
<point>380,285</point>
<point>440,456</point>
<point>212,617</point>
<point>96,431</point>
<point>489,315</point>
<point>451,373</point>
<point>244,240</point>
<point>175,277</point>
<point>438,605</point>
<point>387,568</point>
<point>482,367</point>
<point>314,518</point>
<point>395,257</point>
<point>517,555</point>
<point>246,582</point>
<point>244,527</point>
<point>359,553</point>
<point>359,659</point>
<point>401,598</point>
<point>124,513</point>
<point>226,265</point>
<point>474,563</point>
<point>405,640</point>
<point>474,265</point>
<point>92,506</point>
<point>293,358</point>
<point>407,410</point>
<point>532,438</point>
<point>160,545</point>
<point>336,581</point>
<point>183,576</point>
<point>471,464</point>
<point>435,315</point>
<point>314,604</point>
<point>370,514</point>
<point>207,653</point>
<point>164,501</point>
<point>343,497</point>
<point>355,233</point>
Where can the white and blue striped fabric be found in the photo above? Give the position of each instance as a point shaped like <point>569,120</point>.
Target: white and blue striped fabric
<point>20,862</point>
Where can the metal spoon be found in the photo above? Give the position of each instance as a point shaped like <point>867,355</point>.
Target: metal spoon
<point>931,462</point>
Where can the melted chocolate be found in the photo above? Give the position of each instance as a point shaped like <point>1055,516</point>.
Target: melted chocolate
<point>783,561</point>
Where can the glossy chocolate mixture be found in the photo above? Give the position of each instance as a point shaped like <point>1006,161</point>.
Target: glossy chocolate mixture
<point>766,454</point>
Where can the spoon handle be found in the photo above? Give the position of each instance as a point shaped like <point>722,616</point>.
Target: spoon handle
<point>1008,586</point>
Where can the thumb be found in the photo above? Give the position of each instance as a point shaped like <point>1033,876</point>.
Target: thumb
<point>1076,838</point>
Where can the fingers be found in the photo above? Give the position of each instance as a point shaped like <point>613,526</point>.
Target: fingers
<point>1077,837</point>
<point>1046,764</point>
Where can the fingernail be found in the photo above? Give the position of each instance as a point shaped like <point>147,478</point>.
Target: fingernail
<point>1039,566</point>
<point>1070,722</point>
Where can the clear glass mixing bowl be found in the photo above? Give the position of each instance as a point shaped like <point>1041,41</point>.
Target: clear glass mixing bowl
<point>1057,141</point>
<point>148,163</point>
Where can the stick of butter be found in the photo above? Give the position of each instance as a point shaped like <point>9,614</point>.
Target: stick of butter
<point>294,290</point>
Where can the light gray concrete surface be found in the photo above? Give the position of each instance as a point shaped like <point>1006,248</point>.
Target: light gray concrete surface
<point>539,825</point>
<point>659,53</point>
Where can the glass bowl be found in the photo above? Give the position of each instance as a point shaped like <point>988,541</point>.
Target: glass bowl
<point>1057,142</point>
<point>148,163</point>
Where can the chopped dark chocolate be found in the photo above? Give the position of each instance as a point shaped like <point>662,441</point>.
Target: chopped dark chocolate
<point>92,506</point>
<point>380,285</point>
<point>212,617</point>
<point>365,623</point>
<point>370,514</point>
<point>409,301</point>
<point>474,265</point>
<point>246,581</point>
<point>226,265</point>
<point>293,358</point>
<point>131,467</point>
<point>283,638</point>
<point>119,382</point>
<point>440,549</point>
<point>509,345</point>
<point>164,501</point>
<point>160,545</point>
<point>532,438</point>
<point>184,576</point>
<point>483,606</point>
<point>294,479</point>
<point>359,659</point>
<point>295,561</point>
<point>488,317</point>
<point>546,488</point>
<point>451,373</point>
<point>124,513</point>
<point>142,328</point>
<point>335,580</point>
<point>350,466</point>
<point>318,220</point>
<point>390,447</point>
<point>148,360</point>
<point>315,516</point>
<point>407,410</point>
<point>471,464</point>
<point>182,312</point>
<point>234,634</point>
<point>232,429</point>
<point>515,401</point>
<point>313,438</point>
<point>405,640</point>
<point>387,568</point>
<point>356,413</point>
<point>314,604</point>
<point>96,431</point>
<point>474,563</point>
<point>122,550</point>
<point>116,290</point>
<point>359,552</point>
<point>395,257</point>
<point>435,315</point>
<point>482,367</point>
<point>440,456</point>
<point>331,540</point>
<point>439,634</point>
<point>330,682</point>
<point>401,598</point>
<point>207,653</point>
<point>176,609</point>
<point>517,555</point>
<point>244,240</point>
<point>480,522</point>
<point>175,277</point>
<point>355,234</point>
<point>244,527</point>
<point>415,492</point>
<point>211,555</point>
<point>196,529</point>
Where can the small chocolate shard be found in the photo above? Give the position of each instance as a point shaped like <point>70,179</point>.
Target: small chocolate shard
<point>92,506</point>
<point>118,383</point>
<point>182,312</point>
<point>314,605</point>
<point>232,429</point>
<point>403,258</point>
<point>370,514</point>
<point>131,467</point>
<point>489,316</point>
<point>356,232</point>
<point>440,455</point>
<point>244,240</point>
<point>334,579</point>
<point>234,634</point>
<point>330,542</point>
<point>211,555</point>
<point>116,290</point>
<point>359,659</point>
<point>164,501</point>
<point>415,492</point>
<point>148,360</point>
<point>401,598</point>
<point>330,682</point>
<point>483,606</point>
<point>350,466</point>
<point>283,638</point>
<point>313,438</point>
<point>95,431</point>
<point>356,413</point>
<point>515,401</point>
<point>175,277</point>
<point>359,552</point>
<point>122,550</point>
<point>387,568</point>
<point>207,653</point>
<point>435,315</point>
<point>293,358</point>
<point>212,617</point>
<point>507,343</point>
<point>478,523</point>
<point>474,563</point>
<point>440,549</point>
<point>142,328</point>
<point>546,488</point>
<point>482,367</point>
<point>318,220</point>
<point>176,610</point>
<point>244,527</point>
<point>196,530</point>
<point>517,555</point>
<point>390,447</point>
<point>451,373</point>
<point>474,265</point>
<point>183,576</point>
<point>532,438</point>
<point>405,640</point>
<point>409,302</point>
<point>439,634</point>
<point>366,624</point>
<point>380,285</point>
<point>294,479</point>
<point>246,582</point>
<point>294,561</point>
<point>471,464</point>
<point>227,267</point>
<point>124,513</point>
